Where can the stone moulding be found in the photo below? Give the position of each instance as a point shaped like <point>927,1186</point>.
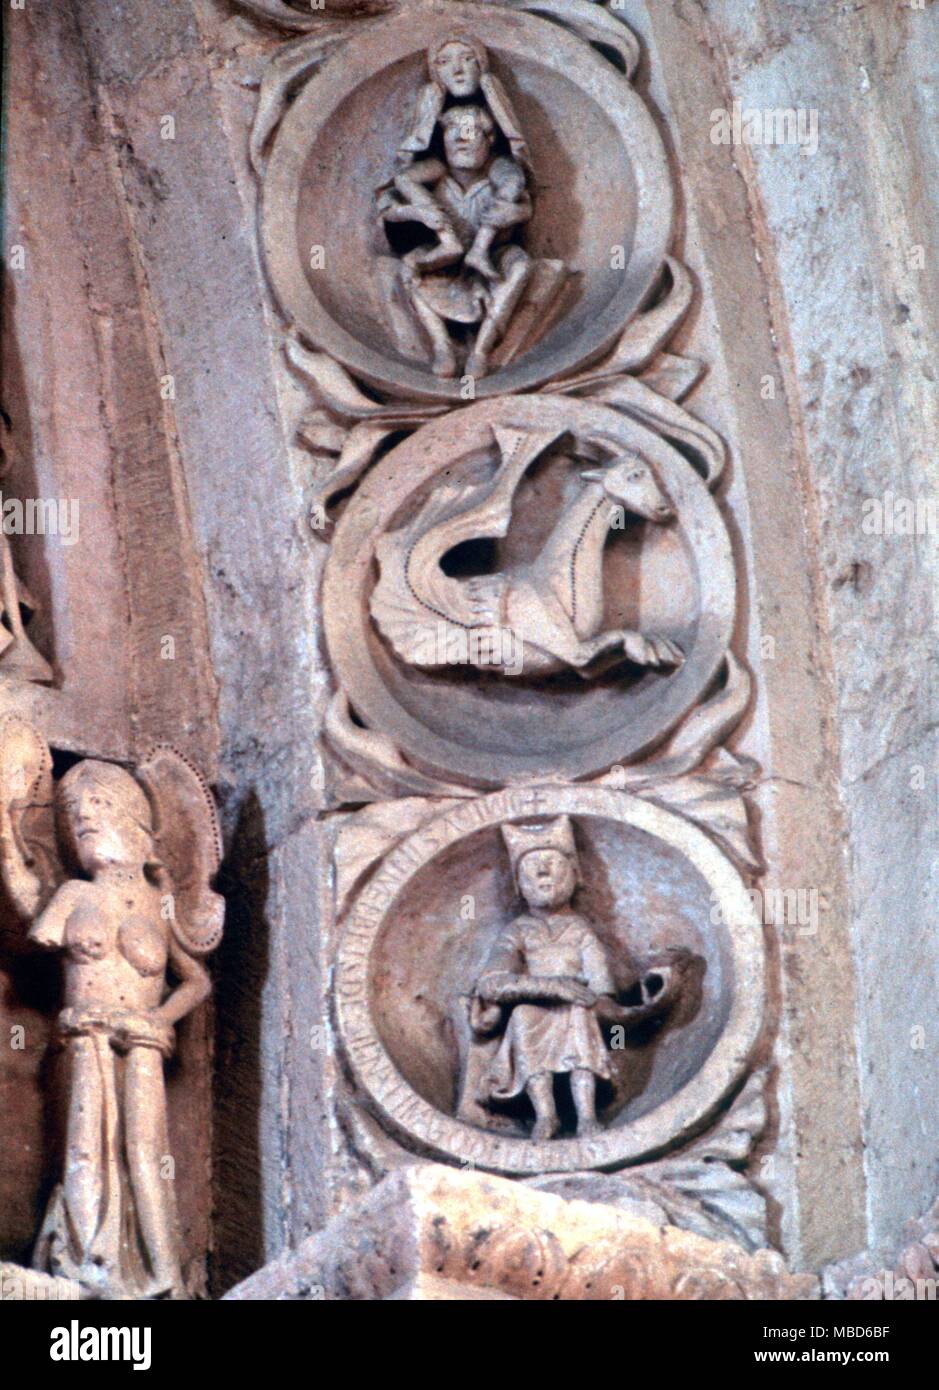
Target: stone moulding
<point>432,1232</point>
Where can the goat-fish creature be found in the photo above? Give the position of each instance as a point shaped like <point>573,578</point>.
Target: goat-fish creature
<point>552,605</point>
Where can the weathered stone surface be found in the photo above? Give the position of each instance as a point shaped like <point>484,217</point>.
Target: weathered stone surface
<point>435,1232</point>
<point>809,296</point>
<point>846,244</point>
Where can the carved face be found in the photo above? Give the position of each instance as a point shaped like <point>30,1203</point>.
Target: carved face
<point>467,137</point>
<point>546,878</point>
<point>631,483</point>
<point>457,69</point>
<point>103,826</point>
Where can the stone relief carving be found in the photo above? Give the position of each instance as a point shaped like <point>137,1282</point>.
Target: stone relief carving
<point>546,993</point>
<point>662,594</point>
<point>404,939</point>
<point>539,294</point>
<point>112,871</point>
<point>547,964</point>
<point>704,1188</point>
<point>463,179</point>
<point>528,602</point>
<point>556,599</point>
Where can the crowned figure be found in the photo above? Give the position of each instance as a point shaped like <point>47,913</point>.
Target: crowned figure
<point>547,991</point>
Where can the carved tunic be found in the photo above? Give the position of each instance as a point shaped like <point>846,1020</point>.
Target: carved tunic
<point>462,295</point>
<point>480,204</point>
<point>548,1038</point>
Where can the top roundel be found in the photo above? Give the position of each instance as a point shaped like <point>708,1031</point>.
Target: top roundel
<point>450,199</point>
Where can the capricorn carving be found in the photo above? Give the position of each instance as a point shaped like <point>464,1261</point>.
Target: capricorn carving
<point>552,606</point>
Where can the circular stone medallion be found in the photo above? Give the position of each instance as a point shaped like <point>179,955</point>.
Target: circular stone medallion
<point>675,580</point>
<point>602,195</point>
<point>408,955</point>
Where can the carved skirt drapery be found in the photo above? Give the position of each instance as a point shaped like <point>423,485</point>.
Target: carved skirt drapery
<point>112,1219</point>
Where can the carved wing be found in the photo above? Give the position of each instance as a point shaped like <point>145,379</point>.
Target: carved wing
<point>413,592</point>
<point>188,843</point>
<point>29,857</point>
<point>407,601</point>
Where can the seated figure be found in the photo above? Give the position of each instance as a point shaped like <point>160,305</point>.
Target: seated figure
<point>546,995</point>
<point>472,202</point>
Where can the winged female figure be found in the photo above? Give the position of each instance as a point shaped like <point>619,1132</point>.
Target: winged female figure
<point>134,904</point>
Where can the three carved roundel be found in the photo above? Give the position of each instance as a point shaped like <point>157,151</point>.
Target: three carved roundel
<point>521,593</point>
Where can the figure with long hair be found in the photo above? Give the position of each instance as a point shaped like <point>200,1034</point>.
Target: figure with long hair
<point>138,906</point>
<point>472,198</point>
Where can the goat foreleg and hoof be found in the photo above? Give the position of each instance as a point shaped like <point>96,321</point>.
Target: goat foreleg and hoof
<point>651,651</point>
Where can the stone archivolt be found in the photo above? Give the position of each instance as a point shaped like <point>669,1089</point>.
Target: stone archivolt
<point>528,604</point>
<point>548,965</point>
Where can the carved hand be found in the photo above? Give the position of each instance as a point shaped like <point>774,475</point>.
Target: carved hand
<point>608,1011</point>
<point>573,992</point>
<point>24,887</point>
<point>486,1019</point>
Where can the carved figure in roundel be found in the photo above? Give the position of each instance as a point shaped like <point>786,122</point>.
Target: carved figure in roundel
<point>545,1002</point>
<point>491,201</point>
<point>464,181</point>
<point>585,1011</point>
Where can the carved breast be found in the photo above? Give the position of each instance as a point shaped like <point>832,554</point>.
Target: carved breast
<point>142,943</point>
<point>88,934</point>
